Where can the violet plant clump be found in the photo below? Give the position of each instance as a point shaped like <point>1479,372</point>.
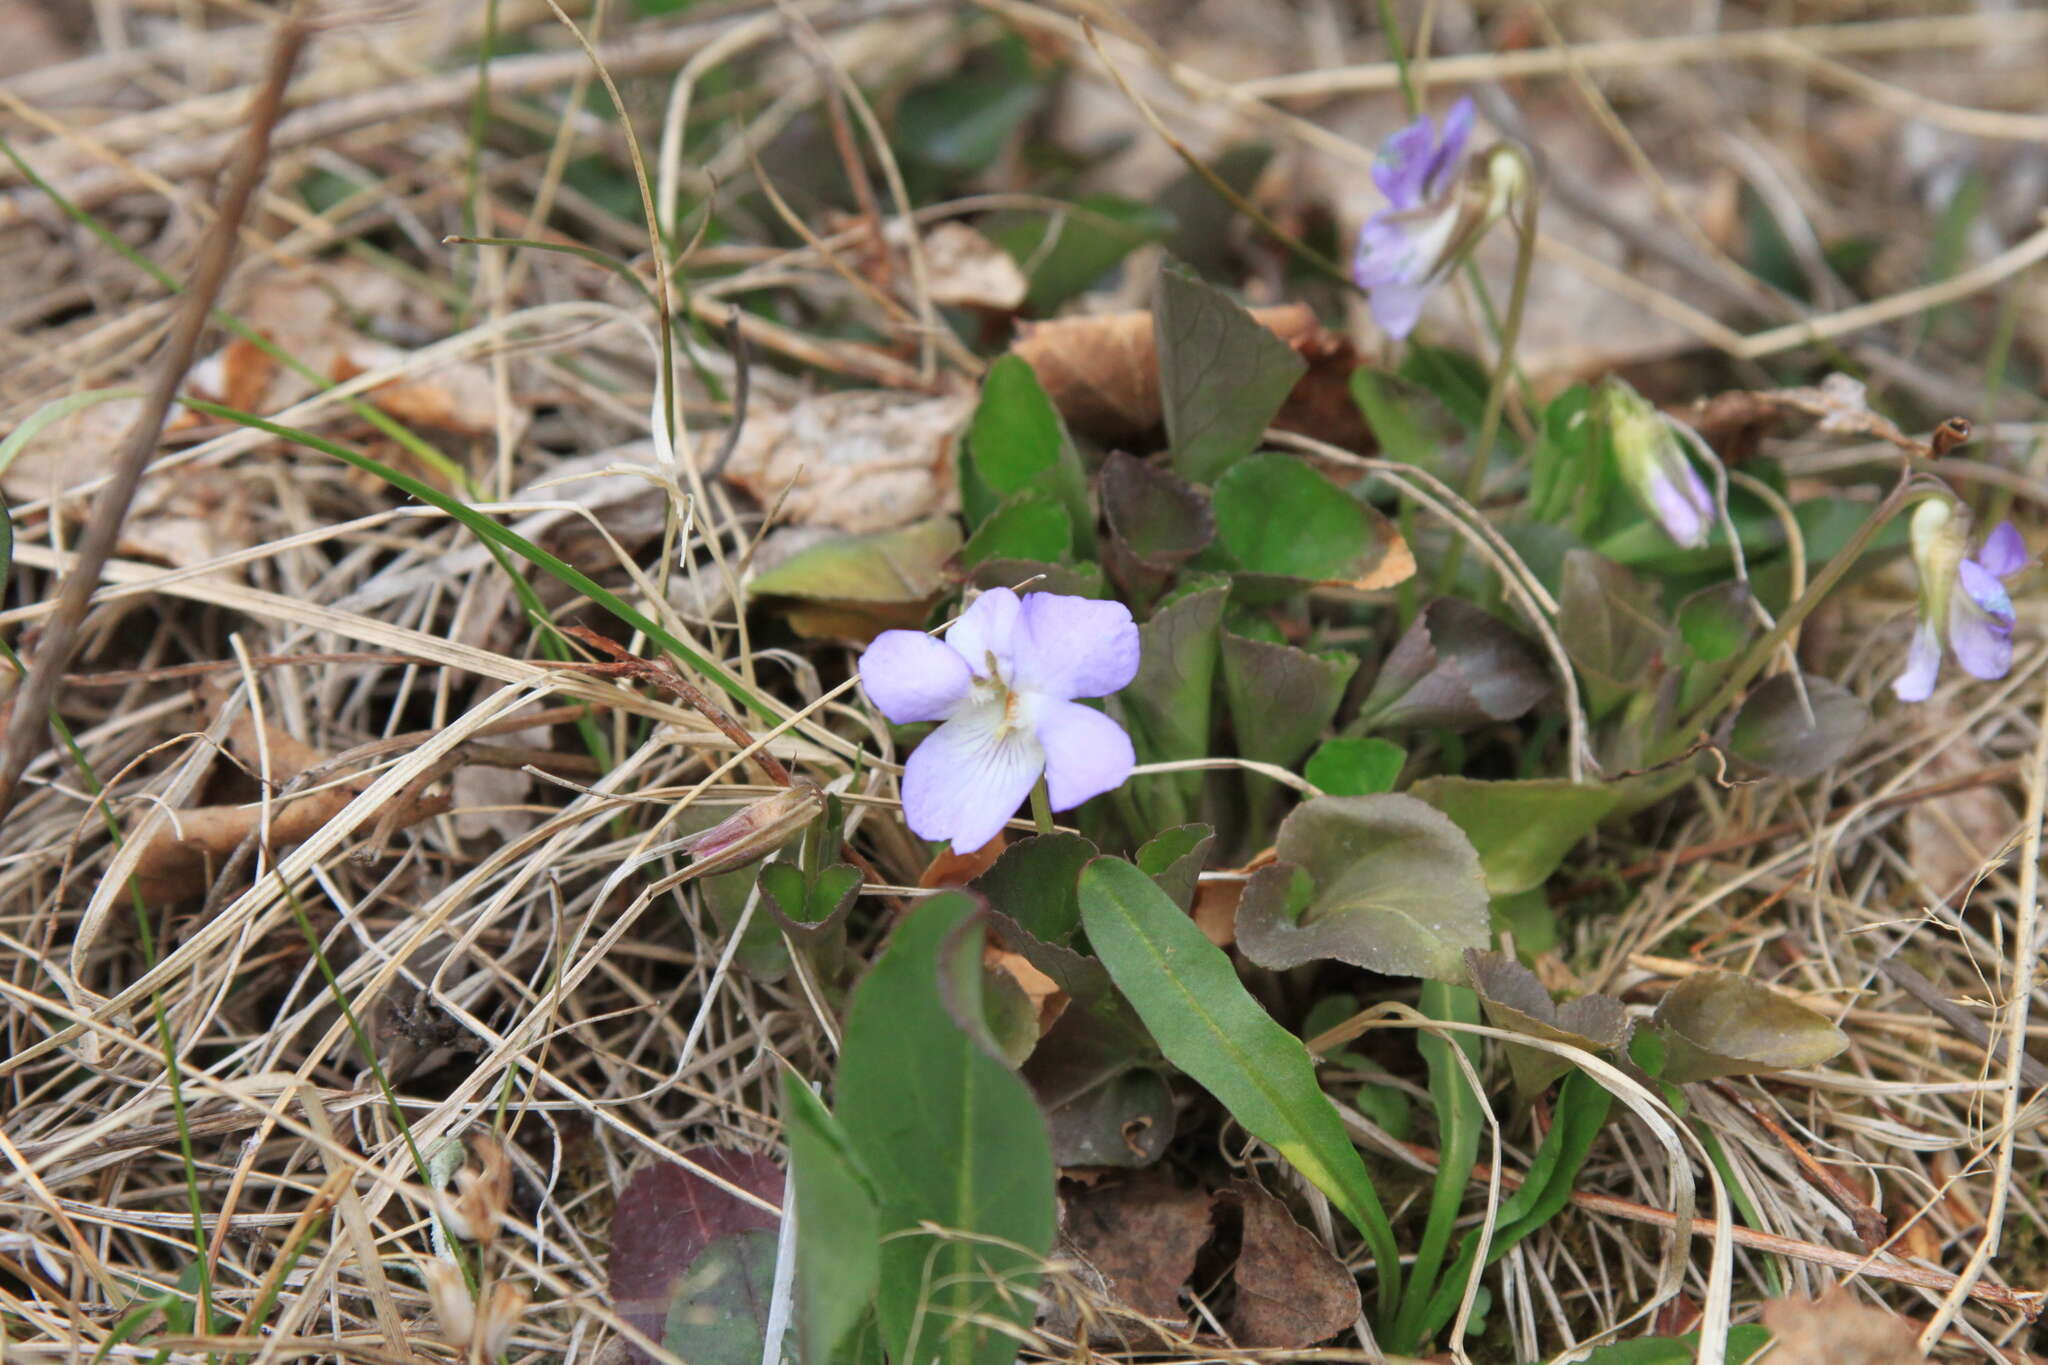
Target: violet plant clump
<point>1977,621</point>
<point>1004,682</point>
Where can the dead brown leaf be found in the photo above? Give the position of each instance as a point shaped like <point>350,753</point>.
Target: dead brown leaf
<point>966,270</point>
<point>1950,839</point>
<point>1291,1291</point>
<point>862,461</point>
<point>1102,373</point>
<point>958,869</point>
<point>1143,1233</point>
<point>1837,1330</point>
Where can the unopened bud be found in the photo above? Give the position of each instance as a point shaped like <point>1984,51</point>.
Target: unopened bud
<point>1654,466</point>
<point>756,830</point>
<point>482,1194</point>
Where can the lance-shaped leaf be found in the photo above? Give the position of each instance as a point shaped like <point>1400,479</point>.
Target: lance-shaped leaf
<point>1457,667</point>
<point>1288,527</point>
<point>1514,999</point>
<point>1156,522</point>
<point>837,1254</point>
<point>1209,1026</point>
<point>1521,829</point>
<point>953,1140</point>
<point>1611,626</point>
<point>1222,376</point>
<point>1724,1024</point>
<point>1775,731</point>
<point>1382,882</point>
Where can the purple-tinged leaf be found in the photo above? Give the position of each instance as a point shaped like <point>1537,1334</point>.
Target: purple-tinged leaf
<point>667,1217</point>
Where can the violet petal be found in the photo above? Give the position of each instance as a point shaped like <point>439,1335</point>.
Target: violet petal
<point>2004,553</point>
<point>988,629</point>
<point>1086,753</point>
<point>969,776</point>
<point>1981,639</point>
<point>1986,590</point>
<point>1923,665</point>
<point>911,677</point>
<point>1071,647</point>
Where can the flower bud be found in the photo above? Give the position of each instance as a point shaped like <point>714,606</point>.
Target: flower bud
<point>756,830</point>
<point>482,1194</point>
<point>1654,466</point>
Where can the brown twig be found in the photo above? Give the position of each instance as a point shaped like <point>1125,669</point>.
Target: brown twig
<point>1870,1225</point>
<point>29,727</point>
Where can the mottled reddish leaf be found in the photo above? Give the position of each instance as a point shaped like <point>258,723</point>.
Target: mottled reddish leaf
<point>668,1214</point>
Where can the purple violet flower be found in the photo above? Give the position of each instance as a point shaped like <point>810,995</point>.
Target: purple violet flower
<point>1405,248</point>
<point>1978,620</point>
<point>1653,464</point>
<point>1004,682</point>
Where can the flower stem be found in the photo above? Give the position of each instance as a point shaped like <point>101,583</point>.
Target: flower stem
<point>1503,372</point>
<point>1041,805</point>
<point>1760,653</point>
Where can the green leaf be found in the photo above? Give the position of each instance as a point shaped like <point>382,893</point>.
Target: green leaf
<point>1167,705</point>
<point>1397,890</point>
<point>1089,237</point>
<point>1611,626</point>
<point>1209,1026</point>
<point>1030,525</point>
<point>904,565</point>
<point>1744,1341</point>
<point>1456,667</point>
<point>953,1138</point>
<point>1033,883</point>
<point>959,124</point>
<point>838,1234</point>
<point>1277,516</point>
<point>1716,622</point>
<point>720,1306</point>
<point>1355,767</point>
<point>1156,522</point>
<point>1018,443</point>
<point>1016,434</point>
<point>1406,420</point>
<point>1515,1000</point>
<point>1281,698</point>
<point>1458,1129</point>
<point>1775,731</point>
<point>1175,858</point>
<point>1724,1024</point>
<point>1222,376</point>
<point>1521,829</point>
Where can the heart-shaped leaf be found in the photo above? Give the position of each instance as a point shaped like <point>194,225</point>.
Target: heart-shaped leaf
<point>1033,883</point>
<point>1514,999</point>
<point>1521,829</point>
<point>1222,376</point>
<point>1457,667</point>
<point>1775,731</point>
<point>1611,626</point>
<point>904,565</point>
<point>1397,889</point>
<point>1288,526</point>
<point>1156,522</point>
<point>677,1234</point>
<point>1724,1024</point>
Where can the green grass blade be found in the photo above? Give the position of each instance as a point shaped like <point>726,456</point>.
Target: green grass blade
<point>1209,1026</point>
<point>1458,1128</point>
<point>494,534</point>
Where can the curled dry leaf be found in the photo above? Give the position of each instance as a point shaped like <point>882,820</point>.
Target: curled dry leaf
<point>1102,373</point>
<point>966,270</point>
<point>1291,1292</point>
<point>861,461</point>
